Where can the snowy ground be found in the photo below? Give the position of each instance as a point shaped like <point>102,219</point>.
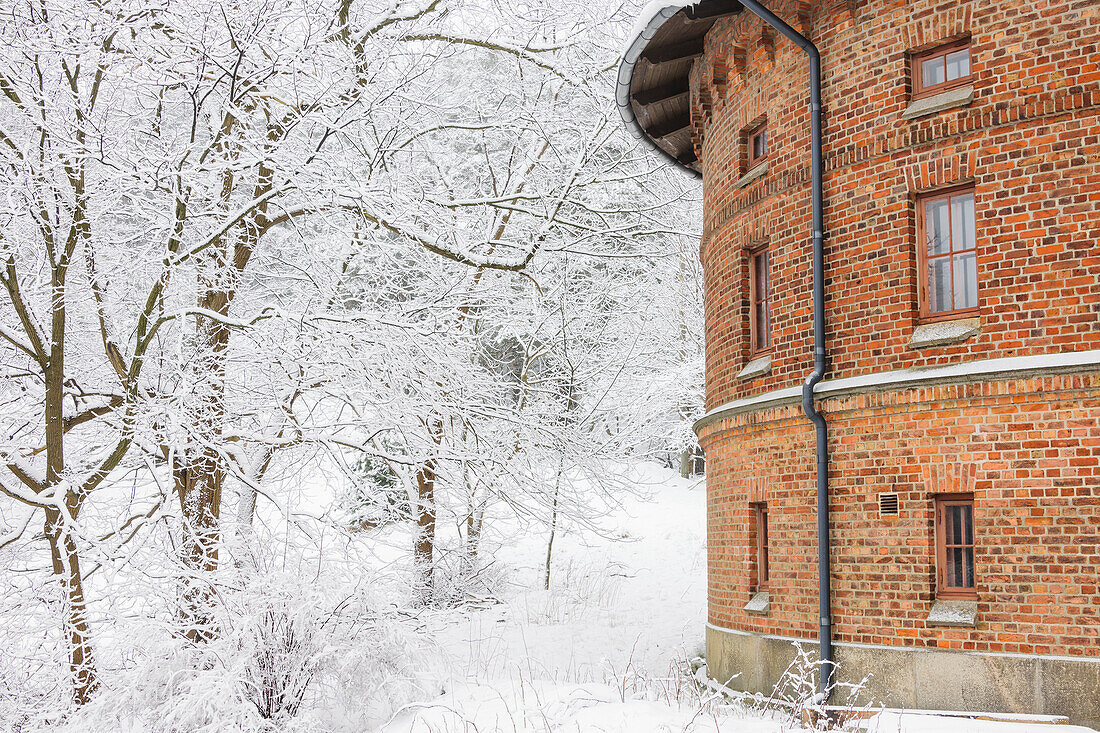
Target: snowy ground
<point>633,599</point>
<point>604,649</point>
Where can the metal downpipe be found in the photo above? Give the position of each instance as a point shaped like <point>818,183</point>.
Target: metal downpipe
<point>820,428</point>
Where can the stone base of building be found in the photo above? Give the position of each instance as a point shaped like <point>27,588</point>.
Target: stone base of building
<point>921,679</point>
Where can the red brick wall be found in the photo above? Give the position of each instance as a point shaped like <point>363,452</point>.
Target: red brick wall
<point>1029,142</point>
<point>1028,449</point>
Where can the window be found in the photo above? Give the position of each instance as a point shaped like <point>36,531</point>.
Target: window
<point>757,145</point>
<point>760,317</point>
<point>942,68</point>
<point>947,254</point>
<point>955,547</point>
<point>760,517</point>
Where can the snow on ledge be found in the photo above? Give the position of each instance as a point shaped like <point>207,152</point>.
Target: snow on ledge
<point>759,604</point>
<point>914,376</point>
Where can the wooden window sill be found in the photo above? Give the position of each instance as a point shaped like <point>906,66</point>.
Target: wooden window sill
<point>758,367</point>
<point>759,604</point>
<point>941,102</point>
<point>752,175</point>
<point>953,612</point>
<point>941,333</point>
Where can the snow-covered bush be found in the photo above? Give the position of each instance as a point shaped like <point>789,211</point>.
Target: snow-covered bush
<point>796,698</point>
<point>458,583</point>
<point>295,652</point>
<point>285,656</point>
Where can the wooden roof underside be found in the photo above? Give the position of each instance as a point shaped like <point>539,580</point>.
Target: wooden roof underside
<point>659,92</point>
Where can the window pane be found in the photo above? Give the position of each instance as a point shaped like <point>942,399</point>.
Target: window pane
<point>763,331</point>
<point>761,283</point>
<point>962,222</point>
<point>958,64</point>
<point>966,281</point>
<point>937,221</point>
<point>762,311</point>
<point>957,545</point>
<point>760,144</point>
<point>932,71</point>
<point>764,526</point>
<point>939,284</point>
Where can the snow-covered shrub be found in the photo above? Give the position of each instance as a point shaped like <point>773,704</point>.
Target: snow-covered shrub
<point>459,583</point>
<point>284,659</point>
<point>295,653</point>
<point>796,699</point>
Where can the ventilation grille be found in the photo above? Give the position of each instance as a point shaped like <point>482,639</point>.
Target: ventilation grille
<point>887,505</point>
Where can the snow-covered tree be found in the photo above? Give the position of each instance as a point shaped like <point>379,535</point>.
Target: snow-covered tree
<point>243,238</point>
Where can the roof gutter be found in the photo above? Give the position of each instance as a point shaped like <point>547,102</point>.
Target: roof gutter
<point>626,74</point>
<point>820,428</point>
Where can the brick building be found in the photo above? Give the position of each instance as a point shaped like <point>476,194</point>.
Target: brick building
<point>961,179</point>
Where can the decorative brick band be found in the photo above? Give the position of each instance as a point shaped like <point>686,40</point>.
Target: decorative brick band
<point>973,371</point>
<point>919,134</point>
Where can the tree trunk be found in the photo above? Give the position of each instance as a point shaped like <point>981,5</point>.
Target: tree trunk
<point>199,484</point>
<point>246,508</point>
<point>424,548</point>
<point>475,520</point>
<point>473,533</point>
<point>475,517</point>
<point>553,527</point>
<point>686,463</point>
<point>199,477</point>
<point>63,549</point>
<point>74,621</point>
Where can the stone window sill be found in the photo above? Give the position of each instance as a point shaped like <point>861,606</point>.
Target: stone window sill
<point>941,102</point>
<point>752,175</point>
<point>758,606</point>
<point>942,333</point>
<point>758,367</point>
<point>953,613</point>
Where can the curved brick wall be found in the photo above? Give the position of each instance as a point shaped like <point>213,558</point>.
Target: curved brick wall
<point>1028,141</point>
<point>1027,448</point>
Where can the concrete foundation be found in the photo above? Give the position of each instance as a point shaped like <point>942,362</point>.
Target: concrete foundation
<point>923,679</point>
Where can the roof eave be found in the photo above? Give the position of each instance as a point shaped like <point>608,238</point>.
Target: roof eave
<point>665,43</point>
<point>658,17</point>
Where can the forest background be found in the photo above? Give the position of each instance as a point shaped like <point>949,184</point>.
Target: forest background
<point>309,309</point>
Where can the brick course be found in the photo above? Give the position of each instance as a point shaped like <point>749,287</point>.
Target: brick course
<point>1028,449</point>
